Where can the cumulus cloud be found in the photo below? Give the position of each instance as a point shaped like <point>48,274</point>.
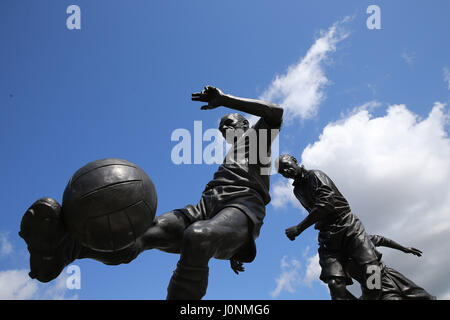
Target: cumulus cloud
<point>395,172</point>
<point>288,278</point>
<point>5,246</point>
<point>58,290</point>
<point>17,285</point>
<point>312,270</point>
<point>282,194</point>
<point>294,276</point>
<point>301,89</point>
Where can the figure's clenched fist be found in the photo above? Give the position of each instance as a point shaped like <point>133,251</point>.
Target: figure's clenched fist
<point>292,233</point>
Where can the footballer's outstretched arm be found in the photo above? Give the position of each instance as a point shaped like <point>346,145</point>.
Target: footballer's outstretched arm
<point>380,241</point>
<point>270,112</point>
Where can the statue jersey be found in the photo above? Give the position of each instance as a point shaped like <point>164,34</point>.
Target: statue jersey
<point>248,163</point>
<point>315,189</point>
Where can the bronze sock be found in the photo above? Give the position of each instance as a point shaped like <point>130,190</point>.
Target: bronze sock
<point>188,283</point>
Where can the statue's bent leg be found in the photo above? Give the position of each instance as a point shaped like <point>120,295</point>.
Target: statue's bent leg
<point>220,237</point>
<point>165,234</point>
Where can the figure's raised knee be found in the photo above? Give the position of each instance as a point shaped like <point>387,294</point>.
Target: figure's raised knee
<point>197,245</point>
<point>201,239</point>
<point>198,234</point>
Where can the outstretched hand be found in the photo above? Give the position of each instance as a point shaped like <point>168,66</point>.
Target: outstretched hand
<point>414,251</point>
<point>237,266</point>
<point>292,233</point>
<point>211,95</point>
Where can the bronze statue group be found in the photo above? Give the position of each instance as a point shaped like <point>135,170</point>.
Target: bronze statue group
<point>228,217</point>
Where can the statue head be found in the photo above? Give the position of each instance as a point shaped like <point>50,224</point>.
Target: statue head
<point>287,166</point>
<point>233,126</point>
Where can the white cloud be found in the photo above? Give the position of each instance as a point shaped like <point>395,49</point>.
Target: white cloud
<point>395,172</point>
<point>300,90</point>
<point>282,193</point>
<point>294,276</point>
<point>368,106</point>
<point>17,285</point>
<point>312,270</point>
<point>288,278</point>
<point>58,290</point>
<point>447,77</point>
<point>5,246</point>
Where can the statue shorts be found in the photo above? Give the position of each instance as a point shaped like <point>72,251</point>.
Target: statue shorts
<point>243,198</point>
<point>340,240</point>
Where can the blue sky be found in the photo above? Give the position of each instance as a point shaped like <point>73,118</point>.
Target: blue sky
<point>121,85</point>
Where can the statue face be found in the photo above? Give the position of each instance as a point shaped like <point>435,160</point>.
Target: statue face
<point>288,167</point>
<point>231,126</point>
